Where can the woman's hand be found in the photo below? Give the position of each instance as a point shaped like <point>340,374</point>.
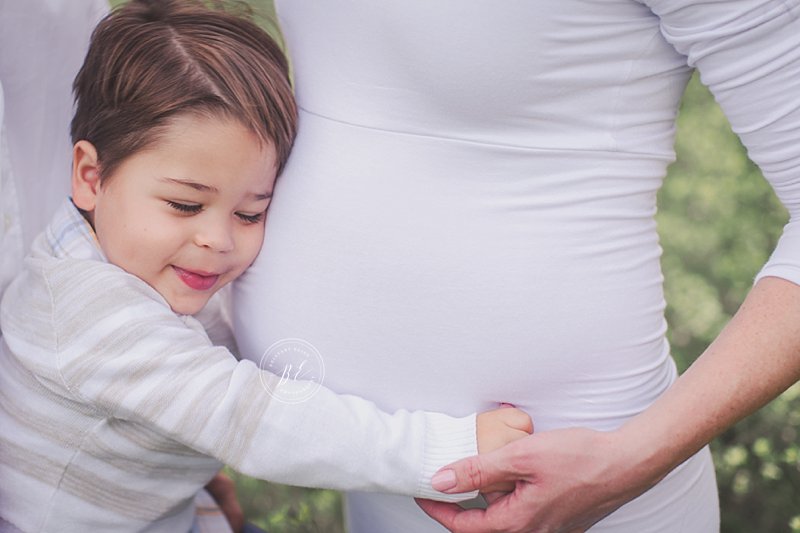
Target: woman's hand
<point>566,481</point>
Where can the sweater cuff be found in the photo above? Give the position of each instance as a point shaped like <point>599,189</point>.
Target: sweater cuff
<point>447,440</point>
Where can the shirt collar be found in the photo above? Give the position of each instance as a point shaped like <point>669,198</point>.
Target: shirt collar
<point>70,235</point>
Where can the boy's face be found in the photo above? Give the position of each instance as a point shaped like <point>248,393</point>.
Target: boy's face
<point>186,215</point>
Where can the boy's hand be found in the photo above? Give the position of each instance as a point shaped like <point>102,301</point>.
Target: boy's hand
<point>223,490</point>
<point>497,428</point>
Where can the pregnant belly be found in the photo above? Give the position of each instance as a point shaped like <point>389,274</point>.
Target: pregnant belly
<point>438,326</point>
<point>431,275</point>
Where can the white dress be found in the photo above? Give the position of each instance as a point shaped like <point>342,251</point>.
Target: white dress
<point>468,213</point>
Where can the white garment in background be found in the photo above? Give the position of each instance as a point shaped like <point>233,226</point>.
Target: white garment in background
<point>11,247</point>
<point>42,46</point>
<point>468,213</point>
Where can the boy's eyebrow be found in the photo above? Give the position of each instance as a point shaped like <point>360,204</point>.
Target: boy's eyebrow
<point>202,187</point>
<point>193,184</point>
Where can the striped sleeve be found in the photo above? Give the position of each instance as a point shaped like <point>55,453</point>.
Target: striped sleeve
<point>140,362</point>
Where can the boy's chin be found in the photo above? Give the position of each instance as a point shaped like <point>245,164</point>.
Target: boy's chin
<point>190,306</point>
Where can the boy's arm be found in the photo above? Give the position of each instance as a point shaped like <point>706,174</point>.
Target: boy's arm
<point>138,361</point>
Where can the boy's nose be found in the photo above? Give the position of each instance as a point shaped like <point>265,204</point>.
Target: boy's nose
<point>215,236</point>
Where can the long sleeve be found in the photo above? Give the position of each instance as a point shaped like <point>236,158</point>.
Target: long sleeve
<point>748,54</point>
<point>140,363</point>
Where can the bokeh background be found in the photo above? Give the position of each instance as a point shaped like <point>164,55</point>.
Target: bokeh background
<point>719,220</point>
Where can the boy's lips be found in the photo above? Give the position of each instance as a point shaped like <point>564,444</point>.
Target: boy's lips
<point>199,281</point>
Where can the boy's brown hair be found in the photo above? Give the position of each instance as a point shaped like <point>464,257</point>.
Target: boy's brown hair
<point>151,60</point>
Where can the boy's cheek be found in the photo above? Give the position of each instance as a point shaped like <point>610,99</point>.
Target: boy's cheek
<point>253,252</point>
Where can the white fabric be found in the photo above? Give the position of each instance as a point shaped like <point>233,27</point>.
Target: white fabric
<point>115,411</point>
<point>468,214</point>
<point>42,45</point>
<point>11,247</point>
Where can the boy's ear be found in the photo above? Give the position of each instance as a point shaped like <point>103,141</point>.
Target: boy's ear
<point>85,175</point>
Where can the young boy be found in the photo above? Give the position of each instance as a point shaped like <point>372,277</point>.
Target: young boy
<point>115,407</point>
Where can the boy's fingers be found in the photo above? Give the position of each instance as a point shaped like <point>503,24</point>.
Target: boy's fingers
<point>516,418</point>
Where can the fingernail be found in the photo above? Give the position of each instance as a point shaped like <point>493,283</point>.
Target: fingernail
<point>504,404</point>
<point>443,480</point>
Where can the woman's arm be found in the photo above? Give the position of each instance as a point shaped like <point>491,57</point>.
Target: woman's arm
<point>754,359</point>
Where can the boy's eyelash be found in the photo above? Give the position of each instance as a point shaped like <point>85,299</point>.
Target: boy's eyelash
<point>250,219</point>
<point>185,208</point>
<point>196,208</point>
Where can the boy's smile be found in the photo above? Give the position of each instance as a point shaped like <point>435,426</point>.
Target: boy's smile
<point>185,215</point>
<point>197,280</point>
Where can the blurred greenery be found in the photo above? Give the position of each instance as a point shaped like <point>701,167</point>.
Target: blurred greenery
<point>285,509</point>
<point>718,220</point>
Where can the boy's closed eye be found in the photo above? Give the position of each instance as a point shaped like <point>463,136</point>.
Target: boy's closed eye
<point>191,209</point>
<point>251,219</point>
<point>185,208</point>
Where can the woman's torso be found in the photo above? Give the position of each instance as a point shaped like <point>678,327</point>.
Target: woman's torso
<point>467,215</point>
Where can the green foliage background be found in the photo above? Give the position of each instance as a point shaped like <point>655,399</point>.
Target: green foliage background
<point>719,221</point>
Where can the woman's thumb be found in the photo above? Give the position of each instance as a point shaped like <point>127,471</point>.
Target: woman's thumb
<point>472,473</point>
